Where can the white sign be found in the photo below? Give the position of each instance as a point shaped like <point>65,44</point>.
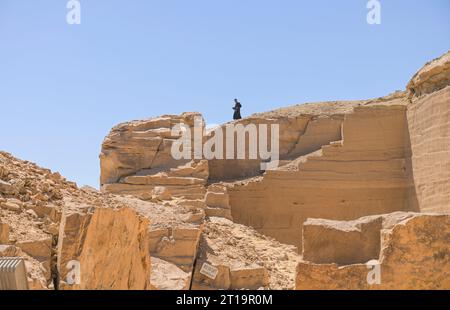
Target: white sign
<point>209,271</point>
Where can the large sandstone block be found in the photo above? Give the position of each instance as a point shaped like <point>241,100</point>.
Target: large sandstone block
<point>340,242</point>
<point>107,248</point>
<point>415,254</point>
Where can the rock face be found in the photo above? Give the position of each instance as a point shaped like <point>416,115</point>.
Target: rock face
<point>134,146</point>
<point>167,276</point>
<point>50,222</point>
<point>429,128</point>
<point>136,157</point>
<point>110,245</point>
<point>415,254</point>
<point>364,174</point>
<point>244,258</point>
<point>326,241</point>
<point>433,77</point>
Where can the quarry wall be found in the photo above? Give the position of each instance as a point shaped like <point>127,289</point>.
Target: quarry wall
<point>429,127</point>
<point>364,174</point>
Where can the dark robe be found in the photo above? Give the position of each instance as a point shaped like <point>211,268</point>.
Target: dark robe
<point>237,111</point>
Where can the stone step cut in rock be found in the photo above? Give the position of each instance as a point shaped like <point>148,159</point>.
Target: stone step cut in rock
<point>217,202</point>
<point>366,174</point>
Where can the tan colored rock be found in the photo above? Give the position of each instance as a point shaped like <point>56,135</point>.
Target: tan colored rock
<point>175,245</point>
<point>139,145</point>
<point>6,188</point>
<point>161,193</point>
<point>4,233</point>
<point>219,212</point>
<point>217,200</point>
<point>40,250</point>
<point>244,259</point>
<point>434,76</point>
<point>36,273</point>
<point>429,128</point>
<point>111,246</point>
<point>343,243</point>
<point>37,248</point>
<point>167,276</point>
<point>11,206</point>
<point>415,254</point>
<point>366,174</point>
<point>253,277</point>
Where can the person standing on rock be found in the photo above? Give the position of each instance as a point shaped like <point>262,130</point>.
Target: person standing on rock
<point>237,109</point>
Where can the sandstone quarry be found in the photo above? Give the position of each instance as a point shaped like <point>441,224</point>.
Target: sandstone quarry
<point>361,187</point>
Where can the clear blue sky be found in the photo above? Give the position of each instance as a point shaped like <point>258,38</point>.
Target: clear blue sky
<point>63,87</point>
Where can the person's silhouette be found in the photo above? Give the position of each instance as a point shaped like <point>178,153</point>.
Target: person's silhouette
<point>237,109</point>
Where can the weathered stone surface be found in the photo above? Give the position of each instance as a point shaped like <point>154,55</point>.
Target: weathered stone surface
<point>161,193</point>
<point>429,128</point>
<point>110,245</point>
<point>167,276</point>
<point>175,245</point>
<point>6,188</point>
<point>415,254</point>
<point>4,233</point>
<point>363,175</point>
<point>138,145</point>
<point>343,243</point>
<point>244,258</point>
<point>40,250</point>
<point>12,205</point>
<point>434,76</point>
<point>217,202</point>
